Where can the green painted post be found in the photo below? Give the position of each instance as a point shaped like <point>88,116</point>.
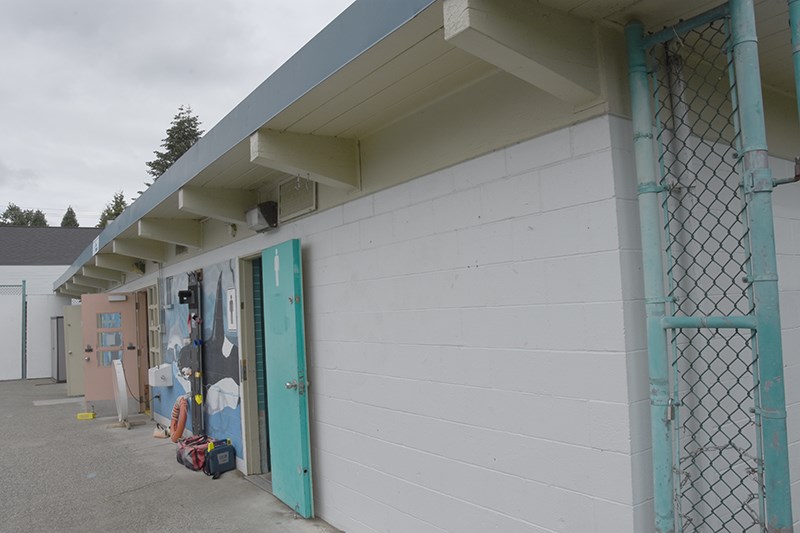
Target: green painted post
<point>24,331</point>
<point>649,209</point>
<point>758,185</point>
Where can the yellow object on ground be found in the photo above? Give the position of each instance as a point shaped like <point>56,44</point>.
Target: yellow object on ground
<point>85,416</point>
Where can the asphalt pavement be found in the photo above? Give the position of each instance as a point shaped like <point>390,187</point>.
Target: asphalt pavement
<point>61,474</point>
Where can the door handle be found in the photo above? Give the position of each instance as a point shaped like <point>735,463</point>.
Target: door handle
<point>87,358</point>
<point>291,384</point>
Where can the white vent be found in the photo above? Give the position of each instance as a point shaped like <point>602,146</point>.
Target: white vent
<point>298,196</point>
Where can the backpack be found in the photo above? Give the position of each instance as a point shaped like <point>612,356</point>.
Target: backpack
<point>220,458</point>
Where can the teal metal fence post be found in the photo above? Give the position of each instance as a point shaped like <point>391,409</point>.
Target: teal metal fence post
<point>24,353</point>
<point>758,186</point>
<point>649,217</point>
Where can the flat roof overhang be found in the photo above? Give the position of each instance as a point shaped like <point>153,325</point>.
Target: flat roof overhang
<point>361,35</point>
<point>379,61</point>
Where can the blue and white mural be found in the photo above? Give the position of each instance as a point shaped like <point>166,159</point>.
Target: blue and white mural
<point>222,411</point>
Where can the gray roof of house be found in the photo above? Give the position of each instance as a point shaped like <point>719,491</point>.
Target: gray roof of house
<point>21,245</point>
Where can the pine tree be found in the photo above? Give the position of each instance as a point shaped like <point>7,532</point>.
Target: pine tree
<point>113,209</point>
<point>16,216</point>
<point>183,132</point>
<point>69,220</point>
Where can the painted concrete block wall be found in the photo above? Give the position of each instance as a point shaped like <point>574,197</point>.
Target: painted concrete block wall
<point>466,347</point>
<point>634,311</point>
<point>42,304</point>
<point>787,230</point>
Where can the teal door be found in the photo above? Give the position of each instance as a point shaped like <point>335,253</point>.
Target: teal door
<point>287,397</point>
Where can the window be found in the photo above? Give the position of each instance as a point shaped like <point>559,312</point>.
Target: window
<point>109,320</point>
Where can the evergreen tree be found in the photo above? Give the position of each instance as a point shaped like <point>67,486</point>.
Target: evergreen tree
<point>113,209</point>
<point>16,216</point>
<point>69,220</point>
<point>183,132</point>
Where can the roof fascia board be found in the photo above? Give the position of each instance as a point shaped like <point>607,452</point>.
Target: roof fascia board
<point>356,30</point>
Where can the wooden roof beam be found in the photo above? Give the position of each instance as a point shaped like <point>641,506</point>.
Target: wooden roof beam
<point>119,263</point>
<point>91,282</point>
<point>549,49</point>
<point>140,248</point>
<point>186,232</point>
<point>226,205</point>
<point>103,273</point>
<point>79,289</point>
<point>328,160</point>
<point>72,294</point>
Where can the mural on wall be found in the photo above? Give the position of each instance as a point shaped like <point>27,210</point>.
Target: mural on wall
<point>222,411</point>
<point>220,356</point>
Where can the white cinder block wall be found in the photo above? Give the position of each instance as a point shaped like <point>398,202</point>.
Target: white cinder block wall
<point>477,344</point>
<point>786,202</point>
<point>466,347</point>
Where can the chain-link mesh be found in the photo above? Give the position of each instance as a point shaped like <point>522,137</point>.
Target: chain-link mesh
<point>10,290</point>
<point>718,469</point>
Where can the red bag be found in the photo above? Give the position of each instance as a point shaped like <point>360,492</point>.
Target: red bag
<point>191,452</point>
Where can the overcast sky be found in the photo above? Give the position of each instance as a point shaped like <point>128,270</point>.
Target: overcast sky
<point>89,87</point>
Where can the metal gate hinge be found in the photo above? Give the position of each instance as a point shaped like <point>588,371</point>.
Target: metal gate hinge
<point>758,180</point>
<point>644,188</point>
<point>769,413</point>
<point>762,277</point>
<point>661,300</point>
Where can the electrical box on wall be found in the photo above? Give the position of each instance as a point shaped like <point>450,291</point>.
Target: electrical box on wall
<point>160,376</point>
<point>298,196</point>
<point>186,297</point>
<point>263,217</point>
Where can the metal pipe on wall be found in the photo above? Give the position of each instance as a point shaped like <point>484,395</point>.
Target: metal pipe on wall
<point>655,300</point>
<point>758,185</point>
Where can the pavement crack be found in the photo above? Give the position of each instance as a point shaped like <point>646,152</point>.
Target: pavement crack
<point>143,486</point>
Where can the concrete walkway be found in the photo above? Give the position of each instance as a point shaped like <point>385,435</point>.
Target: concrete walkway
<point>62,474</point>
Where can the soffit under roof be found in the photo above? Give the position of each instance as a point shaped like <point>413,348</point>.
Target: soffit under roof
<point>772,25</point>
<point>409,68</point>
<point>414,66</point>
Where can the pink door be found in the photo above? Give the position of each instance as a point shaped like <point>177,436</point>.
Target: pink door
<point>109,332</point>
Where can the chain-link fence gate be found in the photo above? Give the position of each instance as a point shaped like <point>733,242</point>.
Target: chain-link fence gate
<point>13,331</point>
<point>718,410</point>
